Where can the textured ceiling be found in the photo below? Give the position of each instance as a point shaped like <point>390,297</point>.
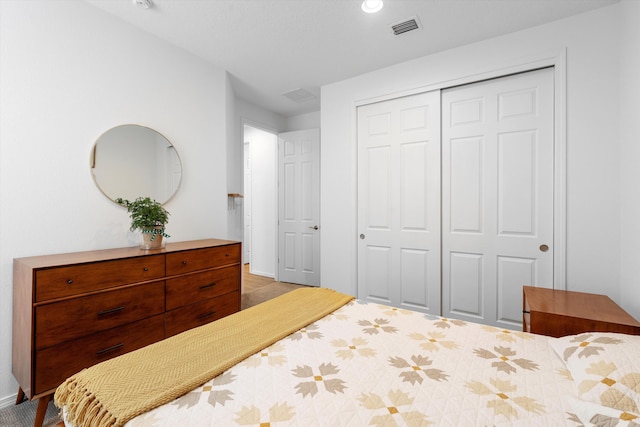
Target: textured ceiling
<point>270,47</point>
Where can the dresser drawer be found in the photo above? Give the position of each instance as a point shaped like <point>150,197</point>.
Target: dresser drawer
<point>55,364</point>
<point>74,318</point>
<point>191,316</point>
<point>200,259</point>
<point>195,287</point>
<point>77,279</point>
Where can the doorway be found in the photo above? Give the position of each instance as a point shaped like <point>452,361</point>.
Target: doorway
<point>282,204</point>
<point>260,200</point>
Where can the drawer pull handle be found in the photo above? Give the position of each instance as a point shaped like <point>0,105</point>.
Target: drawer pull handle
<point>210,285</point>
<point>205,315</point>
<point>184,262</point>
<point>70,282</point>
<point>108,349</point>
<point>110,311</point>
<point>146,269</point>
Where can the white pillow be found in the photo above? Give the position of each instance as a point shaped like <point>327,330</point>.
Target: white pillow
<point>592,414</point>
<point>605,368</point>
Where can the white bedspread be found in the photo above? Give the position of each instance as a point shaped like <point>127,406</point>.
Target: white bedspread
<point>369,364</point>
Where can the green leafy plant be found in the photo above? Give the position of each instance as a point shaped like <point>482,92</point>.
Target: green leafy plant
<point>147,215</point>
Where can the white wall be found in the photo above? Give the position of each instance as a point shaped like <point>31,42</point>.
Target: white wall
<point>303,121</point>
<point>629,87</point>
<point>68,73</point>
<point>595,44</point>
<point>234,178</point>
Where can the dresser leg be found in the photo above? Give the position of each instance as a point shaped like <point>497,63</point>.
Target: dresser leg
<point>43,403</point>
<point>20,397</point>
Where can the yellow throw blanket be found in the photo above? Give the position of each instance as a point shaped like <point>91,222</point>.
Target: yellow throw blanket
<point>117,390</point>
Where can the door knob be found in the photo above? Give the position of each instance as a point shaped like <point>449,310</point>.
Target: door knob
<point>362,236</point>
<point>315,227</point>
<point>544,248</point>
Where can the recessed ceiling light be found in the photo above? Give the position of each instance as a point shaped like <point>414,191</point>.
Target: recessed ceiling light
<point>372,6</point>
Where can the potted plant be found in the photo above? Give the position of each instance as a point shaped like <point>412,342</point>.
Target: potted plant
<point>149,217</point>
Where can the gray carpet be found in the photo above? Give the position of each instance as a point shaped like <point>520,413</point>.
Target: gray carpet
<point>22,415</point>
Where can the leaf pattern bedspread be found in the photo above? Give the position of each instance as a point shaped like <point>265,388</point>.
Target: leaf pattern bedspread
<point>368,364</point>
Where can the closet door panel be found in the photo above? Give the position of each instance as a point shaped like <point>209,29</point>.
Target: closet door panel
<point>379,196</point>
<point>377,273</point>
<point>414,187</point>
<point>399,202</point>
<point>516,183</point>
<point>466,165</point>
<point>497,195</point>
<point>466,287</point>
<point>414,273</point>
<point>512,269</point>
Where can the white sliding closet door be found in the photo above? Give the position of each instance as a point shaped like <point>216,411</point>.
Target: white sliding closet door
<point>497,195</point>
<point>399,202</point>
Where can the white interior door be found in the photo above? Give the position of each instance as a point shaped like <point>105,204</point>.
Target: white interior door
<point>399,202</point>
<point>299,207</point>
<point>497,199</point>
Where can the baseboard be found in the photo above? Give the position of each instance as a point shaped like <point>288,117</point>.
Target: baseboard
<point>263,274</point>
<point>7,401</point>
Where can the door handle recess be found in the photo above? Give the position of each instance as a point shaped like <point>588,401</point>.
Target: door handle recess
<point>108,349</point>
<point>110,311</point>
<point>205,315</point>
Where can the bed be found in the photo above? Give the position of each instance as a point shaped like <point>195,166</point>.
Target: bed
<point>368,364</point>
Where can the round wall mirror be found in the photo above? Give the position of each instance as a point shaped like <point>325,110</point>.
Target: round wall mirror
<point>131,161</point>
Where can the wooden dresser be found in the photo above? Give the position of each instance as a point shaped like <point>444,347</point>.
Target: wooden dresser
<point>558,313</point>
<point>71,311</point>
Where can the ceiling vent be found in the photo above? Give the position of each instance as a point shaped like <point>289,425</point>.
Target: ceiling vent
<point>406,26</point>
<point>299,95</point>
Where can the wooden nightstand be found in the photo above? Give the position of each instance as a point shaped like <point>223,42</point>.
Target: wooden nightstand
<point>559,313</point>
